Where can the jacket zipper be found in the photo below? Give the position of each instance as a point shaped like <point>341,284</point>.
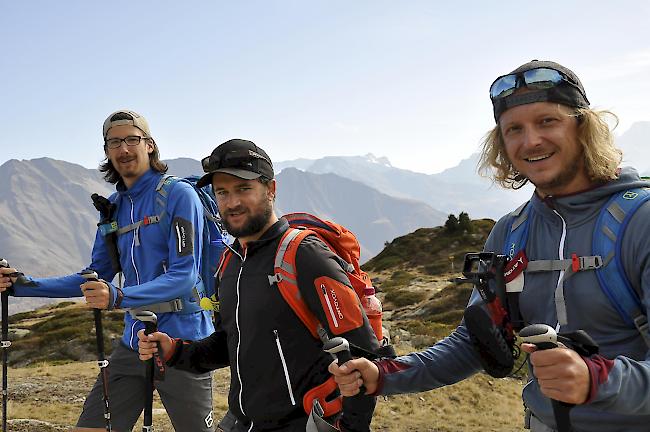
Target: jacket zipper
<point>329,305</point>
<point>284,367</point>
<point>135,233</point>
<point>241,384</point>
<point>560,280</point>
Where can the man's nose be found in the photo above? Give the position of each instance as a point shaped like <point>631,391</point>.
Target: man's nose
<point>532,137</point>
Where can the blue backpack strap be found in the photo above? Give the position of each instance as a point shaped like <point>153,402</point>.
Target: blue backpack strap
<point>186,304</point>
<point>607,242</point>
<point>517,235</point>
<point>213,240</point>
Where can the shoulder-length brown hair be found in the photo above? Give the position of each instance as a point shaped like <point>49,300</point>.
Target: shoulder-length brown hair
<point>601,157</point>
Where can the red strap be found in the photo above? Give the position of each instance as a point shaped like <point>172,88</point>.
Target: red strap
<point>320,394</point>
<point>288,284</point>
<point>225,259</point>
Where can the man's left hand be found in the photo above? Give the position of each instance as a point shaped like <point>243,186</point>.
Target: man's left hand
<point>97,294</point>
<point>561,373</point>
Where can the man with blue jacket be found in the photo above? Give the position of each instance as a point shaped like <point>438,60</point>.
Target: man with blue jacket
<point>546,133</point>
<point>160,270</point>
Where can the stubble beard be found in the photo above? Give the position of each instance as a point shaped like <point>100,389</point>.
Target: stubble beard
<point>566,176</point>
<point>254,225</point>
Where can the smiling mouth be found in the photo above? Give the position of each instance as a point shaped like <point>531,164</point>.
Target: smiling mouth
<point>538,158</point>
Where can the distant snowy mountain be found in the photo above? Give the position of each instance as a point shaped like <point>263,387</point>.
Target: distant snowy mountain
<point>459,188</point>
<point>452,191</point>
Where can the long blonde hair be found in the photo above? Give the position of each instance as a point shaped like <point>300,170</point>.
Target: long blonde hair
<point>601,157</point>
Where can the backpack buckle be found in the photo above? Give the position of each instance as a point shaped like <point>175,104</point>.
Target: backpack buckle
<point>585,262</point>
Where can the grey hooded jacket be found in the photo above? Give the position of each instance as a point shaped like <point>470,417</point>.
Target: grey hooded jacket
<point>559,227</point>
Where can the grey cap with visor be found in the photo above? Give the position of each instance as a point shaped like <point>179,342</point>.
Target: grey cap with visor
<point>128,118</point>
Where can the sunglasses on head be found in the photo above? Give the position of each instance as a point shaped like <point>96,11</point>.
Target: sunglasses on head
<point>243,159</point>
<point>537,79</point>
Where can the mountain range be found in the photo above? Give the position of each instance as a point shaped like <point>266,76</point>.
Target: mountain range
<point>47,222</point>
<point>459,188</point>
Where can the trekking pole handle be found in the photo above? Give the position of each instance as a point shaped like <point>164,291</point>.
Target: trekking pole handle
<point>545,337</point>
<point>339,347</point>
<point>541,335</point>
<point>5,296</point>
<point>149,319</point>
<point>89,275</point>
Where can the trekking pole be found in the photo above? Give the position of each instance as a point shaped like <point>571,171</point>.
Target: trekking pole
<point>6,343</point>
<point>91,275</point>
<point>544,337</point>
<point>150,326</point>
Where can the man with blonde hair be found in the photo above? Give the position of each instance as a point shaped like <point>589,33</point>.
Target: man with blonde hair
<point>547,134</point>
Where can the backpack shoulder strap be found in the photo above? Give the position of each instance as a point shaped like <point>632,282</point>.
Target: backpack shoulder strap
<point>517,234</point>
<point>163,189</point>
<point>607,242</point>
<point>286,277</point>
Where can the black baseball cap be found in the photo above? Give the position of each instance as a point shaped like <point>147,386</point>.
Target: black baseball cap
<point>238,157</point>
<point>546,81</point>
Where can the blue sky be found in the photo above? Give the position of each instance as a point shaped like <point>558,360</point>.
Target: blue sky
<point>405,80</point>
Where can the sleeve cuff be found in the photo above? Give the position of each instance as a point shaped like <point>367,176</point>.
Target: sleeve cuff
<point>599,368</point>
<point>116,296</point>
<point>172,355</point>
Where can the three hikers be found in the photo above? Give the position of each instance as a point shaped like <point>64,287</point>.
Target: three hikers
<point>547,134</point>
<point>160,271</point>
<point>274,359</point>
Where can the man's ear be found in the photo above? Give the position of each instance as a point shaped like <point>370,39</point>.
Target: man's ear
<point>271,189</point>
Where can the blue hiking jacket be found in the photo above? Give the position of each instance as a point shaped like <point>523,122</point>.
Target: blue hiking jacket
<point>157,268</point>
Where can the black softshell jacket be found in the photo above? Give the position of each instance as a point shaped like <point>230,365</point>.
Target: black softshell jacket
<point>274,360</point>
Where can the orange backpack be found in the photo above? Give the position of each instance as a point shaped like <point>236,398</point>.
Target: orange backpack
<point>339,239</point>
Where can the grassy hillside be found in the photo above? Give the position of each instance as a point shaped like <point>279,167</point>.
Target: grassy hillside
<point>60,333</point>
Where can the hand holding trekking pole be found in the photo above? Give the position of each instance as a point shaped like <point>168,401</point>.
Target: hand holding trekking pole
<point>156,342</point>
<point>353,376</point>
<point>96,292</point>
<point>91,276</point>
<point>562,374</point>
<point>5,337</point>
<point>9,276</point>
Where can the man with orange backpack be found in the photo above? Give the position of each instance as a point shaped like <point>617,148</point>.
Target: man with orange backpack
<point>281,292</point>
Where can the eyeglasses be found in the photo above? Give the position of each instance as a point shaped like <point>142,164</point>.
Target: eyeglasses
<point>236,159</point>
<point>537,79</point>
<point>131,140</point>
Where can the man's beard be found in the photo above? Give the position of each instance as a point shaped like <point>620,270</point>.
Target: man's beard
<point>566,176</point>
<point>255,224</point>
